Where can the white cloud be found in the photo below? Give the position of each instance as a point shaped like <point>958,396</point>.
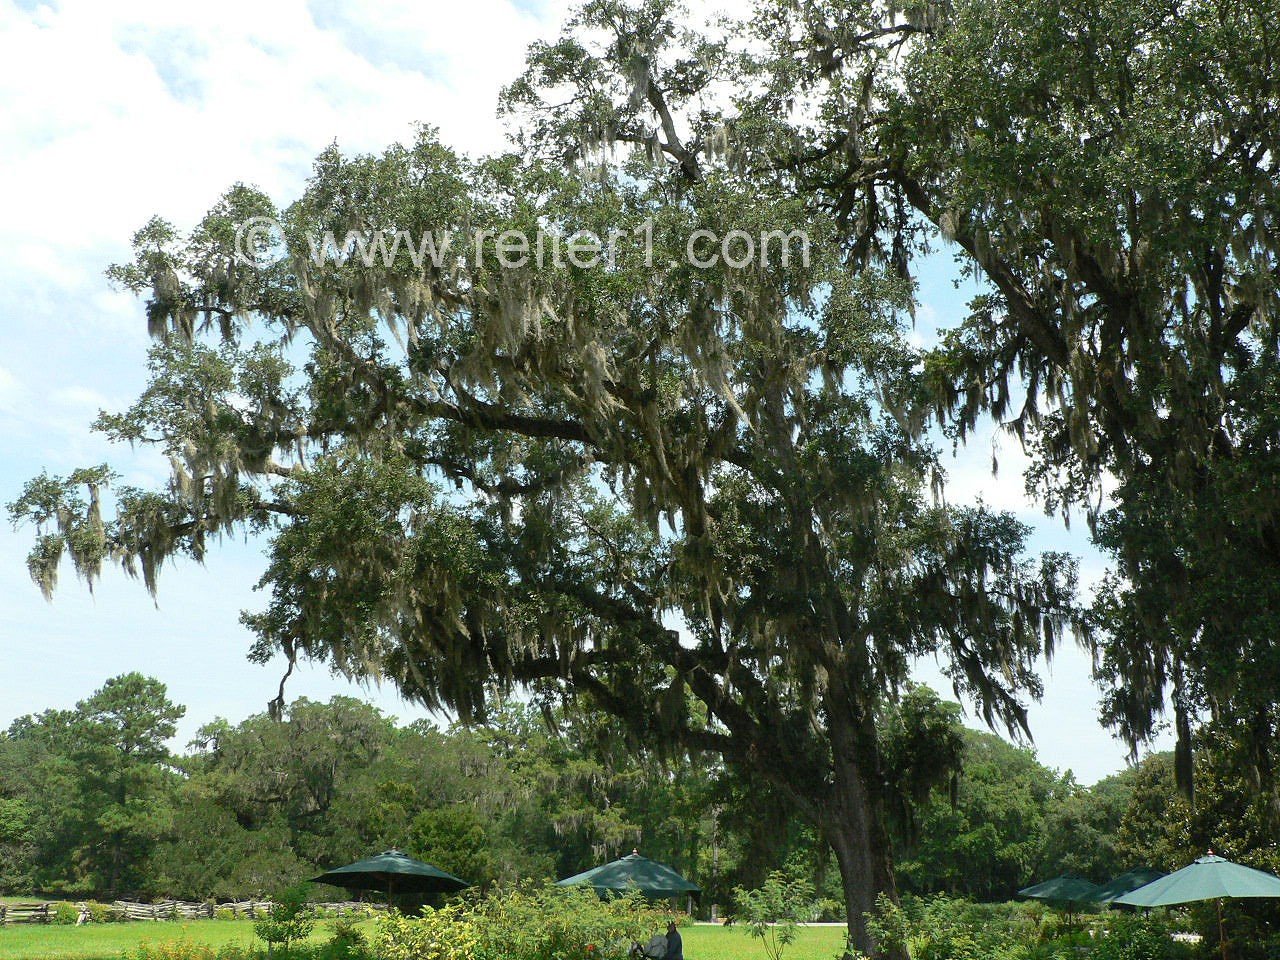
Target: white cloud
<point>80,401</point>
<point>115,112</point>
<point>10,392</point>
<point>970,477</point>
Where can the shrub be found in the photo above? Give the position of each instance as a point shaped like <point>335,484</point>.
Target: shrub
<point>348,942</point>
<point>65,913</point>
<point>519,923</point>
<point>554,923</point>
<point>101,912</point>
<point>1128,937</point>
<point>224,913</point>
<point>289,919</point>
<point>185,949</point>
<point>944,929</point>
<point>445,934</point>
<point>771,912</point>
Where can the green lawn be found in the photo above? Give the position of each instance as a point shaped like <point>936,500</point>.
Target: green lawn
<point>31,941</point>
<point>108,940</point>
<point>732,943</point>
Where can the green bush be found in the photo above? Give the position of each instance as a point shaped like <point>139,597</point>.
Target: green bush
<point>940,928</point>
<point>944,929</point>
<point>516,923</point>
<point>1127,937</point>
<point>224,913</point>
<point>446,934</point>
<point>347,942</point>
<point>554,923</point>
<point>185,949</point>
<point>65,913</point>
<point>289,919</point>
<point>771,912</point>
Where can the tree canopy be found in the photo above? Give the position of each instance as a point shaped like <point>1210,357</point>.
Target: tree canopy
<point>698,491</point>
<point>483,477</point>
<point>1108,169</point>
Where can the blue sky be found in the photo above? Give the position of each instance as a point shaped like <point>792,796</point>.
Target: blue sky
<point>118,111</point>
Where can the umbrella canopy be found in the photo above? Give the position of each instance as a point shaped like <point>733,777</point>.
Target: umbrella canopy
<point>394,872</point>
<point>633,872</point>
<point>1209,878</point>
<point>1067,888</point>
<point>1126,883</point>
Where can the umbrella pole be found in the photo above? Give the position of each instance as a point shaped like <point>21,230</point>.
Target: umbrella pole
<point>1222,930</point>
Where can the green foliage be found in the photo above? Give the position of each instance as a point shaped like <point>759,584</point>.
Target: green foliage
<point>551,923</point>
<point>595,793</point>
<point>922,742</point>
<point>524,923</point>
<point>101,912</point>
<point>1130,937</point>
<point>348,941</point>
<point>1012,821</point>
<point>289,919</point>
<point>446,934</point>
<point>1117,200</point>
<point>454,838</point>
<point>521,798</point>
<point>17,829</point>
<point>265,803</point>
<point>65,913</point>
<point>208,851</point>
<point>942,928</point>
<point>186,948</point>
<point>1228,814</point>
<point>771,912</point>
<point>93,788</point>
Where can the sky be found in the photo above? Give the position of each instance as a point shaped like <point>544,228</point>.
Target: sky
<point>118,111</point>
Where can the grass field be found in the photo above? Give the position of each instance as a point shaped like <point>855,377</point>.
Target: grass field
<point>732,943</point>
<point>29,941</point>
<point>108,941</point>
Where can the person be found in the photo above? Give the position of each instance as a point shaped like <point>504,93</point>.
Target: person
<point>675,945</point>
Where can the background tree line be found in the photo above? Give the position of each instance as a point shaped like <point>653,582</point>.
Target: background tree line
<point>94,802</point>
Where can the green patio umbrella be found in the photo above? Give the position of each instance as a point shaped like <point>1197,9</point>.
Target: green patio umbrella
<point>1209,878</point>
<point>394,872</point>
<point>1126,883</point>
<point>1067,888</point>
<point>633,872</point>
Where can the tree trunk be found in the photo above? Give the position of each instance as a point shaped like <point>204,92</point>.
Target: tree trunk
<point>862,851</point>
<point>855,828</point>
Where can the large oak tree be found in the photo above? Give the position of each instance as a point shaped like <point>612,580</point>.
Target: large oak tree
<point>647,480</point>
<point>1109,170</point>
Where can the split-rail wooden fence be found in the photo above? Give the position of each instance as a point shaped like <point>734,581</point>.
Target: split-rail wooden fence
<point>44,912</point>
